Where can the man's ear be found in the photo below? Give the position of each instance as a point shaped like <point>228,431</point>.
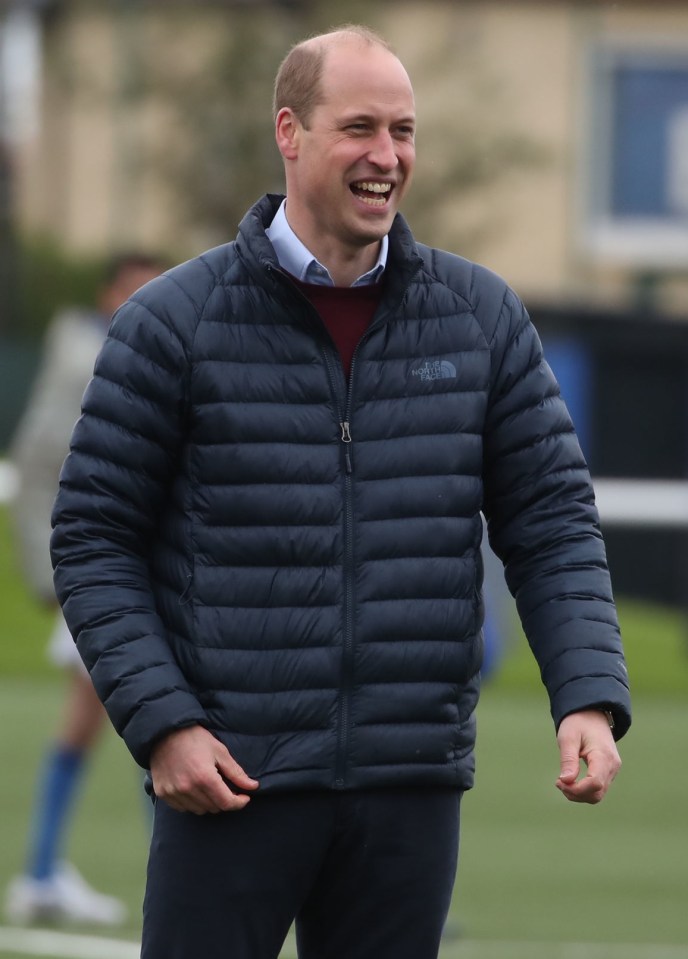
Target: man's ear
<point>287,133</point>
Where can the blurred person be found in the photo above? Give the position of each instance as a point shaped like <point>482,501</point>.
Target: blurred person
<point>493,639</point>
<point>267,545</point>
<point>499,616</point>
<point>51,888</point>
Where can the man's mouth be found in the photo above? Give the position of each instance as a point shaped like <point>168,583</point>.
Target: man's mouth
<point>372,192</point>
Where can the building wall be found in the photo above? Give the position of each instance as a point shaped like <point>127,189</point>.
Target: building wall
<point>506,77</point>
<point>87,178</point>
<point>538,59</point>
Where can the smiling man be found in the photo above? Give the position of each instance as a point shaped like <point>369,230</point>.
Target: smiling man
<point>267,545</point>
<point>348,156</point>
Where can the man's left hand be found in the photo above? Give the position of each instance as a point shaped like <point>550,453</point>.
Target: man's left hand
<point>586,735</point>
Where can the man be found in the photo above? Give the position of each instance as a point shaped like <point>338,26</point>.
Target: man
<point>267,544</point>
<point>51,889</point>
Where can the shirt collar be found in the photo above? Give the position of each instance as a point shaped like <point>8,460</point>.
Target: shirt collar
<point>297,259</point>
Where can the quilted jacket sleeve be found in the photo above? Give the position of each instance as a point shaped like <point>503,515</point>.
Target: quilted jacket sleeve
<point>544,525</point>
<point>117,473</point>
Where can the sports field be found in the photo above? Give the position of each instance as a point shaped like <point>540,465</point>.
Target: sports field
<point>538,879</point>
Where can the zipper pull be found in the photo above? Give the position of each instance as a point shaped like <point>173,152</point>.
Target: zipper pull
<point>346,439</point>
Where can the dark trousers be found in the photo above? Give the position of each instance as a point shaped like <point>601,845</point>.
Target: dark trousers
<point>366,875</point>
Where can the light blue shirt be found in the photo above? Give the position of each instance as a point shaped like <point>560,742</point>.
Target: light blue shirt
<point>297,259</point>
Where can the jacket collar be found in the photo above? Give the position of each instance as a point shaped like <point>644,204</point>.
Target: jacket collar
<point>298,260</point>
<point>259,255</point>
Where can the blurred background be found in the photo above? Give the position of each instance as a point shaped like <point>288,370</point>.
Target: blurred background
<point>553,147</point>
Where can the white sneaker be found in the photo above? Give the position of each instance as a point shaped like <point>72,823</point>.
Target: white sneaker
<point>65,896</point>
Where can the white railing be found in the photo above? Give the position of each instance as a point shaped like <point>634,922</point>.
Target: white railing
<point>626,502</point>
<point>9,481</point>
<point>621,502</point>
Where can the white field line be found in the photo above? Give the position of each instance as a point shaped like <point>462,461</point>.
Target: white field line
<point>484,949</point>
<point>62,945</point>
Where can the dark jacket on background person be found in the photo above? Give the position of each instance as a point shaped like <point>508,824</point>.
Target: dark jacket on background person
<point>246,541</point>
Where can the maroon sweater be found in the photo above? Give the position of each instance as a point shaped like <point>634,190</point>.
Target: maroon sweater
<point>346,311</point>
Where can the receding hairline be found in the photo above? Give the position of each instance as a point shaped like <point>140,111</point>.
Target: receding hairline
<point>350,32</point>
<point>315,48</point>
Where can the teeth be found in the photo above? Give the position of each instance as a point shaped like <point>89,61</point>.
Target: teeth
<point>374,187</point>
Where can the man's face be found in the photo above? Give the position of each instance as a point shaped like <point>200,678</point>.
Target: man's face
<point>353,164</point>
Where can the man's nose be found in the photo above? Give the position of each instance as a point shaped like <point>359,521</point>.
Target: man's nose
<point>383,151</point>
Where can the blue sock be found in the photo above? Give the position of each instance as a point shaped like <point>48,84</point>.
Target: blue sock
<point>60,776</point>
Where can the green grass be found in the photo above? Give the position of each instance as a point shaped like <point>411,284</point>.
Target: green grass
<point>24,623</point>
<point>110,829</point>
<point>655,641</point>
<point>534,868</point>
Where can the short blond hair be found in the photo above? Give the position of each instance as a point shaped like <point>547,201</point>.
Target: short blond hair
<point>298,81</point>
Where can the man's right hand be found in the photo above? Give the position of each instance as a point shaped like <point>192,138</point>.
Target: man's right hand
<point>191,770</point>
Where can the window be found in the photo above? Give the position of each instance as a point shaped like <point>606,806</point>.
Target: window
<point>636,167</point>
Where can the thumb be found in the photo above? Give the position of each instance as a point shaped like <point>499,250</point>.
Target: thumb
<point>570,763</point>
<point>233,773</point>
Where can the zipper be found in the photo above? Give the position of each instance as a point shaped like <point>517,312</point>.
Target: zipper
<point>344,724</point>
<point>344,717</point>
<point>343,412</point>
<point>349,639</point>
<point>346,439</point>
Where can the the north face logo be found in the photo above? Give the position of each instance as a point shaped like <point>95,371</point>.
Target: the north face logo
<point>435,370</point>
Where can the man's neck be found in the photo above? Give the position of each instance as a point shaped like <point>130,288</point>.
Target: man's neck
<point>344,264</point>
<point>344,269</point>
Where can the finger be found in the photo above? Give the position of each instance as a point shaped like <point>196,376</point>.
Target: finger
<point>218,796</point>
<point>569,768</point>
<point>588,790</point>
<point>233,773</point>
<point>234,802</point>
<point>186,794</point>
<point>204,800</point>
<point>592,787</point>
<point>185,804</point>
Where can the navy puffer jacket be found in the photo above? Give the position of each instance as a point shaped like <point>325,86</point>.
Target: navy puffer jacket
<point>244,540</point>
